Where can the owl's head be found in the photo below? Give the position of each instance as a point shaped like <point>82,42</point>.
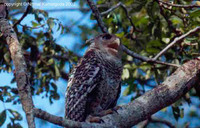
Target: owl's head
<point>107,43</point>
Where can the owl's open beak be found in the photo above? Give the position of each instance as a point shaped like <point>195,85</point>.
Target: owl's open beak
<point>115,44</point>
<point>113,47</point>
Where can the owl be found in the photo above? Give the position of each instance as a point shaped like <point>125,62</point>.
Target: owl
<point>94,84</point>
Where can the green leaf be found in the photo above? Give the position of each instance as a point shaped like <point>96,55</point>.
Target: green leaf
<point>50,61</point>
<point>195,14</point>
<point>138,4</point>
<point>142,21</point>
<point>125,74</point>
<point>182,113</point>
<point>153,46</point>
<point>51,23</point>
<point>7,57</point>
<point>57,72</point>
<point>127,91</point>
<point>39,75</point>
<point>131,87</point>
<point>34,24</point>
<point>2,117</point>
<point>176,20</point>
<point>164,109</point>
<point>120,34</point>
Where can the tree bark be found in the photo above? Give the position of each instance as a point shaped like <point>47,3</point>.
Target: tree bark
<point>20,65</point>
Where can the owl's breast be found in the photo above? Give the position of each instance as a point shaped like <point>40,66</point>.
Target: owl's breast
<point>108,91</point>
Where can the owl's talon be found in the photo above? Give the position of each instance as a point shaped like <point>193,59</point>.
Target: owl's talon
<point>116,108</point>
<point>101,121</point>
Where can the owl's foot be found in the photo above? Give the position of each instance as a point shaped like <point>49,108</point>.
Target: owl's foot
<point>94,119</point>
<point>108,111</point>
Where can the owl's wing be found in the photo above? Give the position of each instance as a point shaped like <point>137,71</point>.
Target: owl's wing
<point>83,81</point>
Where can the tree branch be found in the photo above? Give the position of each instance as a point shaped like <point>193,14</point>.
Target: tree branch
<point>176,40</point>
<point>97,15</point>
<point>111,9</point>
<point>65,122</point>
<point>172,89</point>
<point>145,59</point>
<point>22,79</point>
<point>120,4</point>
<point>24,15</point>
<point>179,5</point>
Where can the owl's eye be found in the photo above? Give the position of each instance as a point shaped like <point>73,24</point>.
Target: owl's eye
<point>107,37</point>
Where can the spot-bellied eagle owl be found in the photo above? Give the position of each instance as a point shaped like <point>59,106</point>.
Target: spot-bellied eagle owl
<point>94,84</point>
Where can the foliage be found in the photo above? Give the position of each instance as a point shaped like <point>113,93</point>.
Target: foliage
<point>47,60</point>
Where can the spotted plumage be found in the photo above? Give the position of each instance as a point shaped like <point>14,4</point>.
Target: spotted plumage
<point>94,84</point>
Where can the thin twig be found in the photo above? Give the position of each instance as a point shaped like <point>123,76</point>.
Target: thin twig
<point>155,120</point>
<point>179,5</point>
<point>176,40</point>
<point>146,59</point>
<point>120,4</point>
<point>111,9</point>
<point>97,15</point>
<point>169,22</point>
<point>25,14</point>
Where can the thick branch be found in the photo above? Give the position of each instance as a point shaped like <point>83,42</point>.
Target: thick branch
<point>172,89</point>
<point>20,66</point>
<point>65,122</point>
<point>176,40</point>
